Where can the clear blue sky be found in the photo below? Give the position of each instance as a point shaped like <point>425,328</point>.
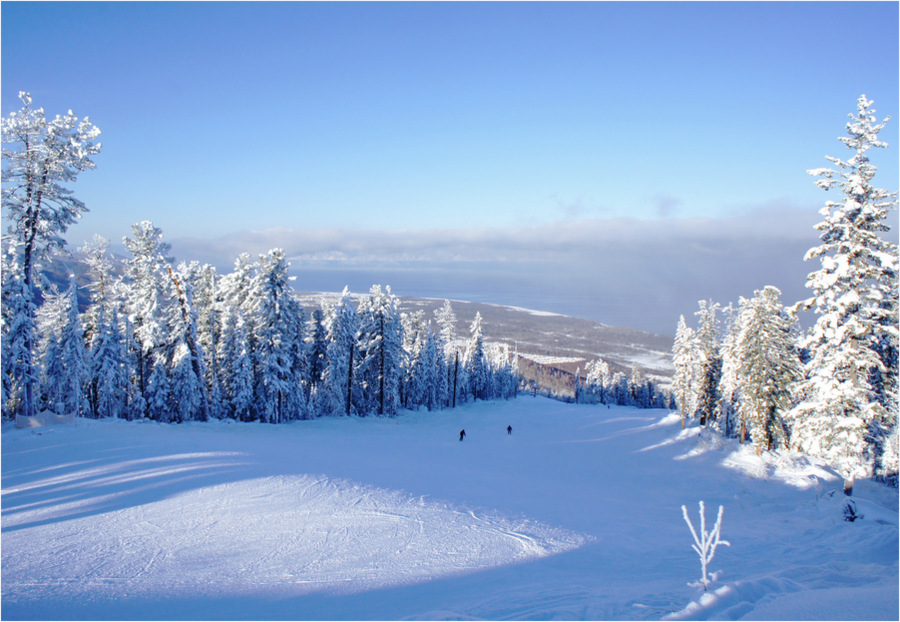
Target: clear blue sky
<point>219,118</point>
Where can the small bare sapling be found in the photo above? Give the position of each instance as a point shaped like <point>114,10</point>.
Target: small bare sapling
<point>705,544</point>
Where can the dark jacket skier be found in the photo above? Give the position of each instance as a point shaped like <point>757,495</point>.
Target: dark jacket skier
<point>509,429</point>
<point>462,434</point>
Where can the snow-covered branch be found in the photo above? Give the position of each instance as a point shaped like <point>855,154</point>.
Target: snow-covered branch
<point>706,542</point>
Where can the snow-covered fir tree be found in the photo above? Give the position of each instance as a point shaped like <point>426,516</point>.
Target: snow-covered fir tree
<point>766,365</point>
<point>317,344</point>
<point>377,367</point>
<point>233,299</point>
<point>158,392</point>
<point>278,328</point>
<point>103,285</point>
<point>148,300</point>
<point>66,369</point>
<point>184,354</point>
<point>684,354</point>
<point>708,363</point>
<point>415,334</point>
<point>839,416</point>
<point>597,381</point>
<point>237,370</point>
<point>19,333</point>
<point>39,157</point>
<point>109,367</point>
<point>474,360</point>
<point>434,372</point>
<point>503,372</point>
<point>207,307</point>
<point>729,394</point>
<point>446,320</point>
<point>333,396</point>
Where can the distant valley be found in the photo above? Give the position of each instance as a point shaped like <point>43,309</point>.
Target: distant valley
<point>551,348</point>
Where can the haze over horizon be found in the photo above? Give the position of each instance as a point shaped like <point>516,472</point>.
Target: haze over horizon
<point>615,161</point>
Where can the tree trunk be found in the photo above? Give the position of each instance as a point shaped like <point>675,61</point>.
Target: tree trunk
<point>455,376</point>
<point>381,368</point>
<point>848,485</point>
<point>350,380</point>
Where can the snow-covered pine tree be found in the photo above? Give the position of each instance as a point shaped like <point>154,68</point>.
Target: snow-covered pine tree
<point>185,356</point>
<point>597,381</point>
<point>74,358</point>
<point>188,390</point>
<point>767,365</point>
<point>158,392</point>
<point>621,392</point>
<point>474,360</point>
<point>446,320</point>
<point>640,389</point>
<point>684,354</point>
<point>149,299</point>
<point>66,367</point>
<point>19,334</point>
<point>726,409</point>
<point>109,367</point>
<point>379,348</point>
<point>434,376</point>
<point>234,298</point>
<point>51,319</point>
<point>237,369</point>
<point>39,156</point>
<point>317,343</point>
<point>102,285</point>
<point>136,406</point>
<point>334,394</point>
<point>207,305</point>
<point>415,334</point>
<point>503,371</point>
<point>708,362</point>
<point>279,335</point>
<point>839,416</point>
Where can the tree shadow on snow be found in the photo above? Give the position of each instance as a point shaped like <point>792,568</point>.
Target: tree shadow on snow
<point>112,478</point>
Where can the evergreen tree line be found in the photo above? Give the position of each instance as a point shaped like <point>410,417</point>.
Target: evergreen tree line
<point>600,386</point>
<point>188,344</point>
<point>830,391</point>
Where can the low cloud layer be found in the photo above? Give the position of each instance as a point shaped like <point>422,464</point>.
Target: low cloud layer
<point>638,273</point>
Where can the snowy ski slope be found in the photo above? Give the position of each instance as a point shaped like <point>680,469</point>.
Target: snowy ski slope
<point>575,515</point>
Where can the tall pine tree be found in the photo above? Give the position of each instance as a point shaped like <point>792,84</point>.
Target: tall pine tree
<point>840,416</point>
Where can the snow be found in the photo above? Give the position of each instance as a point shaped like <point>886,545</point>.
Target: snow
<point>575,515</point>
<point>546,359</point>
<point>531,311</point>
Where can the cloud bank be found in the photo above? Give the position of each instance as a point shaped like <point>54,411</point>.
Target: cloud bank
<point>628,272</point>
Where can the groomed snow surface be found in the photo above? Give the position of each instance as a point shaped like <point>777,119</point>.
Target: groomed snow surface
<point>575,515</point>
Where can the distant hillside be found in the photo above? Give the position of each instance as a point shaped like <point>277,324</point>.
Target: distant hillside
<point>551,347</point>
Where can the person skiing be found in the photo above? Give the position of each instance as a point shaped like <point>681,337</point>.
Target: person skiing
<point>462,434</point>
<point>509,429</point>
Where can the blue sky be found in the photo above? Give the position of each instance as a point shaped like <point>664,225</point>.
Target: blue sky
<point>446,119</point>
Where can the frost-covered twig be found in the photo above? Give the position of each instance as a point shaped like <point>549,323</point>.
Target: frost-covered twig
<point>705,544</point>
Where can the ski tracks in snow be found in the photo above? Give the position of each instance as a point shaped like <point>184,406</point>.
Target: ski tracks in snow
<point>285,535</point>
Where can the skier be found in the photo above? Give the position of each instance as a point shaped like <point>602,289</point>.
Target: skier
<point>462,434</point>
<point>509,429</point>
